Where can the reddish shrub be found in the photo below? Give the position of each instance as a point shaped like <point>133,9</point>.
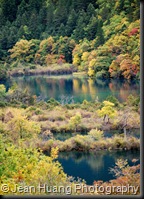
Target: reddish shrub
<point>133,31</point>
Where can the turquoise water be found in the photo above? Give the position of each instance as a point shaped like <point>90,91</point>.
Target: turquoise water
<point>69,89</point>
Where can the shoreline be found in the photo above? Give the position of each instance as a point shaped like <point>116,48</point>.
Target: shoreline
<point>53,69</point>
<point>84,144</point>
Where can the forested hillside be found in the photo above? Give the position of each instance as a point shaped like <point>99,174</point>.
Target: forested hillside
<point>96,36</point>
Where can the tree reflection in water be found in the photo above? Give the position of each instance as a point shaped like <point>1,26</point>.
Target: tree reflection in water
<point>94,165</point>
<point>80,88</point>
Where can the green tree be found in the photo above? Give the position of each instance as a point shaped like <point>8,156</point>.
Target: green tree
<point>71,22</point>
<point>105,9</point>
<point>9,9</point>
<point>82,4</point>
<point>60,15</point>
<point>91,28</point>
<point>61,31</point>
<point>91,11</point>
<point>64,46</point>
<point>4,34</point>
<point>42,20</point>
<point>49,17</point>
<point>99,34</point>
<point>33,26</point>
<point>79,32</point>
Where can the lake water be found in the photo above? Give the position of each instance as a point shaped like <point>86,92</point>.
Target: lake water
<point>69,88</point>
<point>94,166</point>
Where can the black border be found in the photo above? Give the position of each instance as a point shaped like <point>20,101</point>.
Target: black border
<point>141,126</point>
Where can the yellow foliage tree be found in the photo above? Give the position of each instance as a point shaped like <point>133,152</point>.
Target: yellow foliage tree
<point>22,50</point>
<point>85,56</point>
<point>19,127</point>
<point>108,111</point>
<point>46,45</point>
<point>76,60</point>
<point>91,72</point>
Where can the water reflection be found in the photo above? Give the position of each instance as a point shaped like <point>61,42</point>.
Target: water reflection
<point>93,166</point>
<point>79,87</point>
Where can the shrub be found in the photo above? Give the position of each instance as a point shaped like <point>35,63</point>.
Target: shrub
<point>53,102</point>
<point>16,95</point>
<point>113,99</point>
<point>134,143</point>
<point>80,142</point>
<point>32,108</point>
<point>38,111</point>
<point>67,145</point>
<point>24,106</point>
<point>75,120</point>
<point>132,100</point>
<point>96,134</point>
<point>118,142</point>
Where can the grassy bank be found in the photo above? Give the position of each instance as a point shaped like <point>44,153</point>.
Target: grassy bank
<point>89,143</point>
<point>54,69</point>
<point>63,118</point>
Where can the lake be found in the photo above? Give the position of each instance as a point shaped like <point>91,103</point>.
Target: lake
<point>94,166</point>
<point>70,89</point>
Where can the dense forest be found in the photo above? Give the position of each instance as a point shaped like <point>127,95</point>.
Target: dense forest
<point>97,37</point>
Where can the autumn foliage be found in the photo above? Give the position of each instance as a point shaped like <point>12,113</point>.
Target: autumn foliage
<point>125,176</point>
<point>118,57</point>
<point>133,31</point>
<point>61,59</point>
